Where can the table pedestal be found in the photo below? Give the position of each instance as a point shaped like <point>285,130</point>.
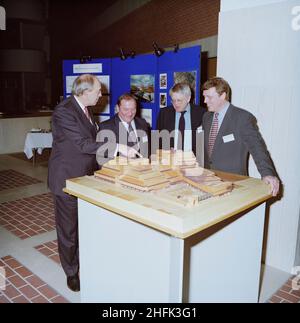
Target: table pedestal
<point>125,261</point>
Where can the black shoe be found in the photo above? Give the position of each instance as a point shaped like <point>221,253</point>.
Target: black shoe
<point>73,283</point>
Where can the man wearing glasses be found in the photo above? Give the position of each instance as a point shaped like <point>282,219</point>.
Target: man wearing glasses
<point>182,120</point>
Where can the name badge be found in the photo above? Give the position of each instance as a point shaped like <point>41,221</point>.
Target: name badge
<point>199,129</point>
<point>228,138</point>
<point>145,139</point>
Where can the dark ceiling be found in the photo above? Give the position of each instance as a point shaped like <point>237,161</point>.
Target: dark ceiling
<point>67,18</point>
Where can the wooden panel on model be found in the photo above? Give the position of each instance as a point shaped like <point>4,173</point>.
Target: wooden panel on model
<point>182,200</point>
<point>166,168</point>
<point>179,209</point>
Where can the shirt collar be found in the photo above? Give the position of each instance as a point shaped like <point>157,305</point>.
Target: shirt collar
<point>126,124</point>
<point>187,109</point>
<point>223,111</point>
<point>80,104</point>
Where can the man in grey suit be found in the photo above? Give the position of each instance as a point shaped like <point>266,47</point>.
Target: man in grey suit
<point>231,134</point>
<point>73,155</point>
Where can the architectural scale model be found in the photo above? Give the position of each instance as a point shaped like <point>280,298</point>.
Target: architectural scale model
<point>173,175</point>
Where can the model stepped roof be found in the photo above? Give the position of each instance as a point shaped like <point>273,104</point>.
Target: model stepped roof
<point>166,168</point>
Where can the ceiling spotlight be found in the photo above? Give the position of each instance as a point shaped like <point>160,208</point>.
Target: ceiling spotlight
<point>132,54</point>
<point>176,48</point>
<point>157,50</point>
<point>85,58</point>
<point>122,54</point>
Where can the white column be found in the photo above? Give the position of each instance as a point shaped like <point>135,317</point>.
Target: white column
<point>258,53</point>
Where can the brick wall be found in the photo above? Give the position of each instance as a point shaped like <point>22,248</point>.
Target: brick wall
<point>165,21</point>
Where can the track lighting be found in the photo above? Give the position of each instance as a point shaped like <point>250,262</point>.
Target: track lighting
<point>124,56</point>
<point>157,50</point>
<point>85,58</point>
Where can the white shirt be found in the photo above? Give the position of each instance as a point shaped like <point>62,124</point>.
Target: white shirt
<point>125,124</point>
<point>82,107</point>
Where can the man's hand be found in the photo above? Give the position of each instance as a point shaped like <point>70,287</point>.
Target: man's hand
<point>274,182</point>
<point>128,151</point>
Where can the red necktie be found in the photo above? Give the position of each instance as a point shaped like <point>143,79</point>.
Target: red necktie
<point>86,112</point>
<point>213,133</point>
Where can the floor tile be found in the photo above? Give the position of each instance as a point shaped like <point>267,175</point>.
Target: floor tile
<point>29,216</point>
<point>24,286</point>
<point>12,179</point>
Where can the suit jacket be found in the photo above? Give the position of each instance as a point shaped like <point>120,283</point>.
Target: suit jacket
<point>74,145</point>
<point>118,135</point>
<point>166,120</point>
<point>243,138</point>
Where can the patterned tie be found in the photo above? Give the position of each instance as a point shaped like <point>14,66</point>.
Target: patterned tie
<point>181,128</point>
<point>213,134</point>
<point>132,136</point>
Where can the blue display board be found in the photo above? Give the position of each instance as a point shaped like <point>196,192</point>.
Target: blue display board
<point>99,67</point>
<point>149,77</point>
<point>133,70</point>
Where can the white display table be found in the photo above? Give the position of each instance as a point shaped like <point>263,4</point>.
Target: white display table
<point>36,142</point>
<point>137,247</point>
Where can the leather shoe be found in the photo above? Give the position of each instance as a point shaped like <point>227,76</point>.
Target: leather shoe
<point>73,283</point>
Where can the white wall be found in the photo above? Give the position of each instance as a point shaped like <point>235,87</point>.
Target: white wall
<point>13,132</point>
<point>259,54</point>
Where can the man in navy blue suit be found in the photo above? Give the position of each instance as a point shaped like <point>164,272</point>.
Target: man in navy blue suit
<point>73,155</point>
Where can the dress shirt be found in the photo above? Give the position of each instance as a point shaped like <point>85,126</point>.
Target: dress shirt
<point>187,131</point>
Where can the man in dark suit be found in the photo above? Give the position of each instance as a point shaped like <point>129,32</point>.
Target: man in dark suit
<point>231,134</point>
<point>73,154</point>
<point>124,130</point>
<point>183,117</point>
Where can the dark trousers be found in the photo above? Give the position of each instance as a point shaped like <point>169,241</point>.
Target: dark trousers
<point>66,217</point>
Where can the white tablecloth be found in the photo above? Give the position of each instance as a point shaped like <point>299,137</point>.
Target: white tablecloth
<point>37,141</point>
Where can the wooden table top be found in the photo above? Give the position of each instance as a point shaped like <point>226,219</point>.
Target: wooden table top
<point>154,211</point>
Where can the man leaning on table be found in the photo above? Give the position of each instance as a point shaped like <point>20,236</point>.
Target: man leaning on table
<point>73,155</point>
<point>231,133</point>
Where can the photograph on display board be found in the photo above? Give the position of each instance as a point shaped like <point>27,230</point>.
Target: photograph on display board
<point>162,100</point>
<point>104,79</point>
<point>69,83</point>
<point>103,105</point>
<point>163,81</point>
<point>147,115</point>
<point>142,87</point>
<point>189,78</point>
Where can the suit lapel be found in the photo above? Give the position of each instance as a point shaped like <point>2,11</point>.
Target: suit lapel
<point>225,124</point>
<point>117,124</point>
<point>194,121</point>
<point>171,118</point>
<point>207,127</point>
<point>80,113</point>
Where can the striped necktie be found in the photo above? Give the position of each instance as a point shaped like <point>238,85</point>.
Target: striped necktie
<point>131,136</point>
<point>213,133</point>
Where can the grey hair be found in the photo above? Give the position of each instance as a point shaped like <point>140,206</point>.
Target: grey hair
<point>82,83</point>
<point>182,88</point>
